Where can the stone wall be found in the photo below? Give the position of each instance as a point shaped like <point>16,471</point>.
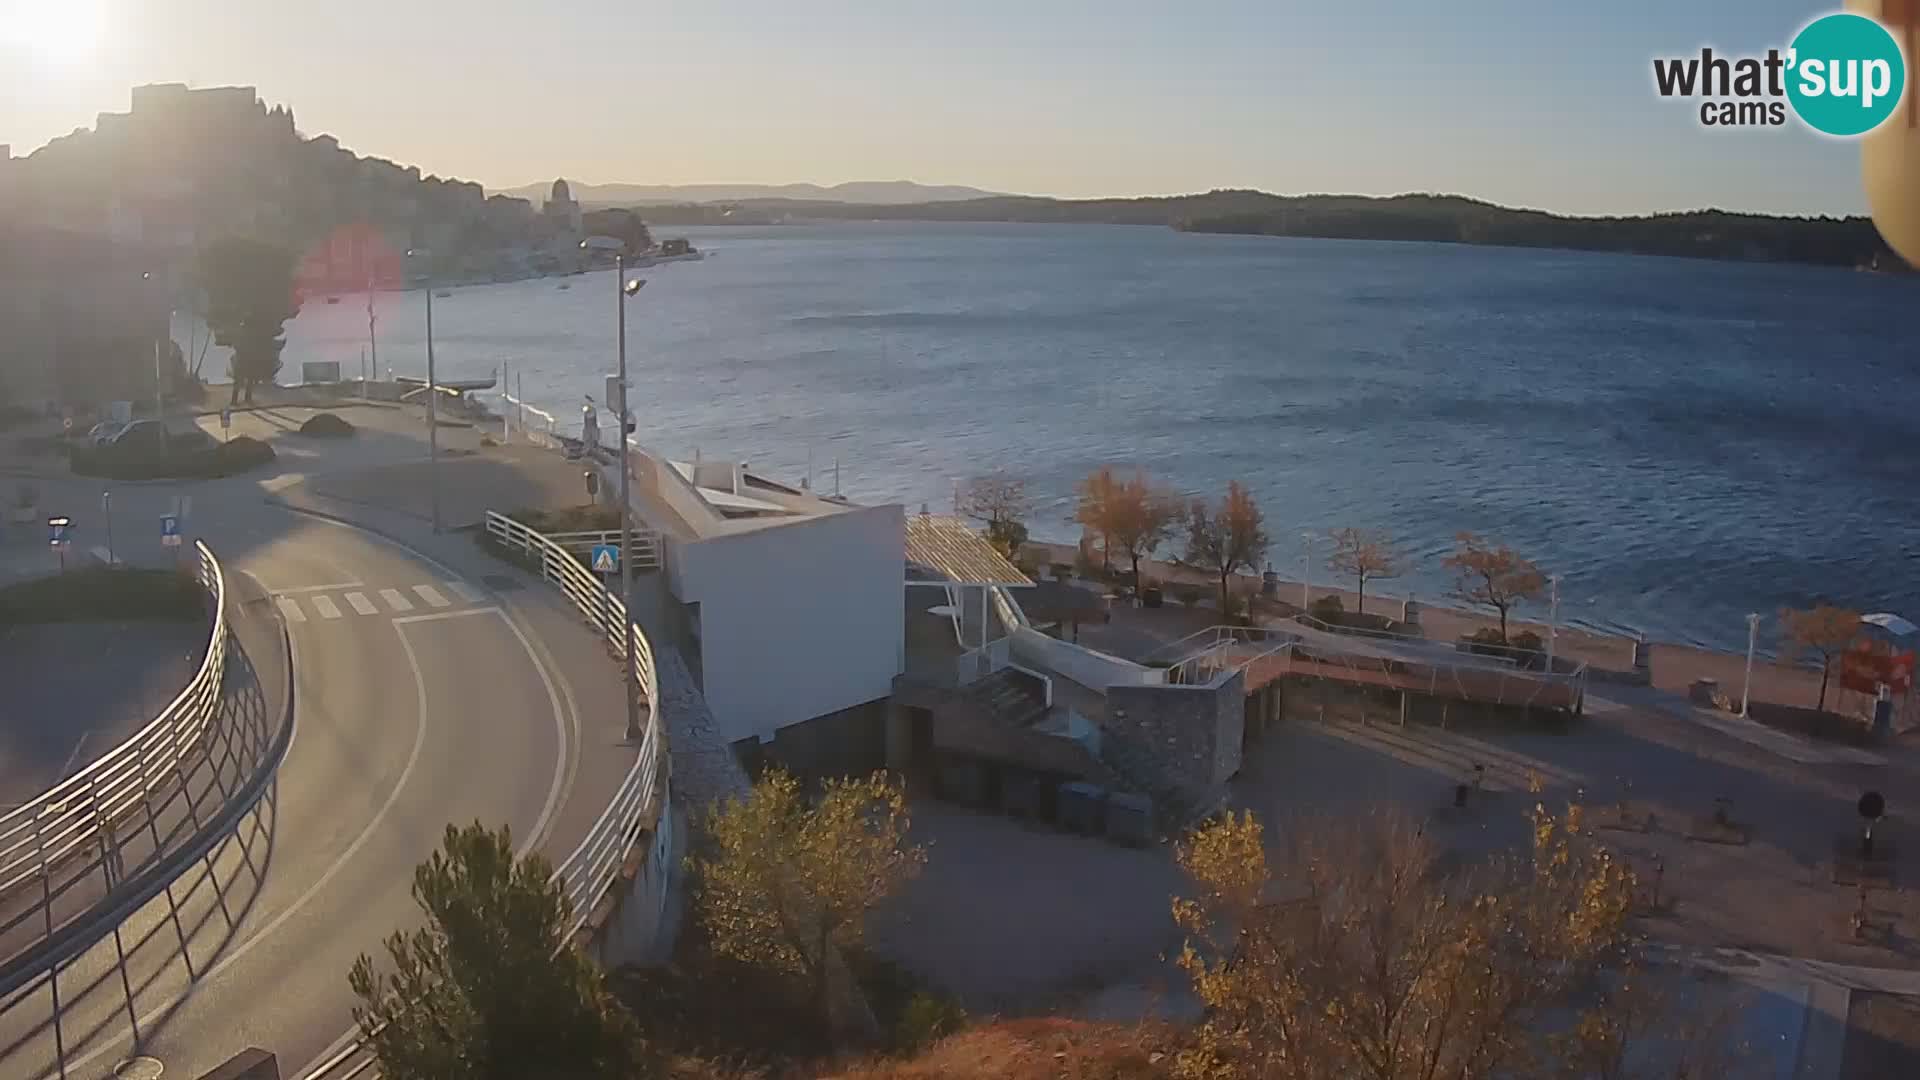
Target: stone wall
<point>1189,736</point>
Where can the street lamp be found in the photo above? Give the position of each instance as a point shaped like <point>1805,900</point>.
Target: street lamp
<point>159,381</point>
<point>1746,680</point>
<point>1306,575</point>
<point>624,290</point>
<point>1553,616</point>
<point>433,391</point>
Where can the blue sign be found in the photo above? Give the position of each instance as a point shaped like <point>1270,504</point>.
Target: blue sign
<point>169,525</point>
<point>606,558</point>
<point>57,532</point>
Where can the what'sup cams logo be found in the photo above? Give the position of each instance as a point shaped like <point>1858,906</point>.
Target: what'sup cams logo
<point>1843,75</point>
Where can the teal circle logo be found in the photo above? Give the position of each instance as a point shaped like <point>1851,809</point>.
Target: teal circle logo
<point>1845,74</point>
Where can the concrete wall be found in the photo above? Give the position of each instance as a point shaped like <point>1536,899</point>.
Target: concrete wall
<point>1085,666</point>
<point>797,620</point>
<point>1192,735</point>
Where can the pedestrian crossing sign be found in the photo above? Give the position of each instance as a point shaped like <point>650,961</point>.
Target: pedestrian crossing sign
<point>606,558</point>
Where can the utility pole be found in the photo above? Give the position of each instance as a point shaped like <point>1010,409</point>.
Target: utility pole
<point>1746,681</point>
<point>370,360</point>
<point>433,391</point>
<point>1553,616</point>
<point>620,294</point>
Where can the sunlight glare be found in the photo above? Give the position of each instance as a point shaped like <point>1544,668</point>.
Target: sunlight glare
<point>62,31</point>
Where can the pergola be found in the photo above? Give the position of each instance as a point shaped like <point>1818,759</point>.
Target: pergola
<point>948,548</point>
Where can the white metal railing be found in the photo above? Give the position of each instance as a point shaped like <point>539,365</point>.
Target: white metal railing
<point>595,863</point>
<point>539,426</point>
<point>646,542</point>
<point>80,812</point>
<point>1417,664</point>
<point>976,664</point>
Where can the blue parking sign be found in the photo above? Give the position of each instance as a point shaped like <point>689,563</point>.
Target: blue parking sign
<point>170,530</point>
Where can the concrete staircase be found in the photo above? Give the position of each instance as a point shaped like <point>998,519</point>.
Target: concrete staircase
<point>1174,807</point>
<point>1011,697</point>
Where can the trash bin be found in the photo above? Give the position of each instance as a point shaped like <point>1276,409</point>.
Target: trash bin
<point>1082,807</point>
<point>1130,819</point>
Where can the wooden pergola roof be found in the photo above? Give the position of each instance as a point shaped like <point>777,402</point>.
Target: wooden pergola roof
<point>950,547</point>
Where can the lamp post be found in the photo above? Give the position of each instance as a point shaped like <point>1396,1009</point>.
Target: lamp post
<point>159,381</point>
<point>1306,575</point>
<point>1553,616</point>
<point>623,290</point>
<point>433,391</point>
<point>1746,680</point>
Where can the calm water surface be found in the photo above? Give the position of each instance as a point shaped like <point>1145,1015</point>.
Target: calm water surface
<point>1684,441</point>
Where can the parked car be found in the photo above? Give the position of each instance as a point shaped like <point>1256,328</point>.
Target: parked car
<point>103,432</point>
<point>141,436</point>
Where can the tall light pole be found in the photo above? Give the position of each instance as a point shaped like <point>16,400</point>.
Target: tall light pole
<point>159,382</point>
<point>622,291</point>
<point>1306,575</point>
<point>433,391</point>
<point>1746,680</point>
<point>1553,616</point>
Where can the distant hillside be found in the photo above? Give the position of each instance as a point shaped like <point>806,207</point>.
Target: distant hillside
<point>874,192</point>
<point>1710,234</point>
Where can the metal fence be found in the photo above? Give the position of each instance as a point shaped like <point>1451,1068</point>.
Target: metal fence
<point>646,542</point>
<point>116,795</point>
<point>595,863</point>
<point>133,821</point>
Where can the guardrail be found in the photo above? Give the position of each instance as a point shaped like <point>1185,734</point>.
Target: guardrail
<point>646,542</point>
<point>595,863</point>
<point>204,733</point>
<point>111,794</point>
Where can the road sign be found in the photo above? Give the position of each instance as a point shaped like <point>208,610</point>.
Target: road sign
<point>57,531</point>
<point>606,558</point>
<point>169,530</point>
<point>226,418</point>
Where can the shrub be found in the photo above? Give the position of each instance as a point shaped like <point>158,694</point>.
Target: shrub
<point>104,593</point>
<point>223,459</point>
<point>925,1020</point>
<point>1327,609</point>
<point>1188,593</point>
<point>327,425</point>
<point>1528,641</point>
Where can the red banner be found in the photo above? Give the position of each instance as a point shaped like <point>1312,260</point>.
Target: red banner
<point>1869,665</point>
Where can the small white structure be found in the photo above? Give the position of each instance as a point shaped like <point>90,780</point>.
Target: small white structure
<point>793,601</point>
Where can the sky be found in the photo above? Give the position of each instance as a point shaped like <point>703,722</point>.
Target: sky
<point>1546,104</point>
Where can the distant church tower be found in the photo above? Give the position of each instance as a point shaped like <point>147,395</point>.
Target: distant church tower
<point>561,210</point>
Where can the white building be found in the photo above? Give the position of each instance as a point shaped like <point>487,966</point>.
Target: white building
<point>789,603</point>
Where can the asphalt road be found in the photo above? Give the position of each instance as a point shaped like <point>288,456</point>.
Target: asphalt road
<point>420,700</point>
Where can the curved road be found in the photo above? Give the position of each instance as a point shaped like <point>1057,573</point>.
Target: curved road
<point>419,700</point>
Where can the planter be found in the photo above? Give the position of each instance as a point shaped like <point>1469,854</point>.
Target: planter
<point>1150,596</point>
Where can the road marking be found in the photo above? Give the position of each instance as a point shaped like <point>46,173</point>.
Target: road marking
<point>169,1003</point>
<point>437,615</point>
<point>432,595</point>
<point>467,592</point>
<point>396,601</point>
<point>325,606</point>
<point>361,604</point>
<point>335,587</point>
<point>291,610</point>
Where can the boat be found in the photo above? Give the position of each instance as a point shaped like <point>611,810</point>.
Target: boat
<point>676,250</point>
<point>565,285</point>
<point>443,294</point>
<point>333,299</point>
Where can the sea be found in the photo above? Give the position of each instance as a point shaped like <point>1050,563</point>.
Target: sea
<point>1683,441</point>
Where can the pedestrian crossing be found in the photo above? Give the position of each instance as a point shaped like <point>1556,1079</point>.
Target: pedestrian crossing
<point>311,605</point>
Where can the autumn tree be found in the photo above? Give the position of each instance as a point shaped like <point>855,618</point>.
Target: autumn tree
<point>250,296</point>
<point>1226,538</point>
<point>1139,516</point>
<point>1363,555</point>
<point>1824,630</point>
<point>491,987</point>
<point>1094,509</point>
<point>1493,576</point>
<point>1001,503</point>
<point>1367,954</point>
<point>788,881</point>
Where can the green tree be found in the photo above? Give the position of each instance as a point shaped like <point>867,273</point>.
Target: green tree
<point>1824,630</point>
<point>490,988</point>
<point>250,296</point>
<point>1493,576</point>
<point>789,881</point>
<point>1371,954</point>
<point>1229,538</point>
